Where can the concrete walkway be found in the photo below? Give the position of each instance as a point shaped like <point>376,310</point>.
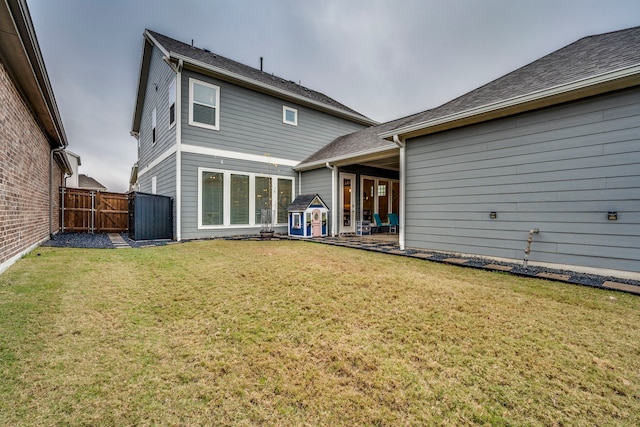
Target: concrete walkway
<point>118,241</point>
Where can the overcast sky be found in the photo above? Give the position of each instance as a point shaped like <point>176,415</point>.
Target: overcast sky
<point>383,58</point>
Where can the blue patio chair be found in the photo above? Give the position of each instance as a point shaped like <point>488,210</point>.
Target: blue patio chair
<point>393,223</point>
<point>379,223</point>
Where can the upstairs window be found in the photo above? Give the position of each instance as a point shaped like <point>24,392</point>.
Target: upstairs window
<point>289,115</point>
<point>172,103</point>
<point>153,126</point>
<point>204,100</point>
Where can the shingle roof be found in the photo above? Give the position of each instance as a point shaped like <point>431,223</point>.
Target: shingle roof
<point>212,59</point>
<point>588,57</point>
<point>357,142</point>
<point>303,201</point>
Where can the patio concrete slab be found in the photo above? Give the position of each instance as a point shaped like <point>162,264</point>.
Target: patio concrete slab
<point>422,256</point>
<point>117,241</point>
<point>554,276</point>
<point>622,287</point>
<point>498,267</point>
<point>457,261</point>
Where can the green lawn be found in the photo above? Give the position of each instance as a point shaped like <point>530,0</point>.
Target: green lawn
<point>295,333</point>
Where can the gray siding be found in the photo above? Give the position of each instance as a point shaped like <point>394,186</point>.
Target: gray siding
<point>318,181</point>
<point>559,169</point>
<point>251,122</point>
<point>190,164</point>
<point>162,75</point>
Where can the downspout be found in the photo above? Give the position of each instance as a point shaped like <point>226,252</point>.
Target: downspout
<point>51,153</point>
<point>179,150</point>
<point>403,179</point>
<point>527,251</point>
<point>334,199</point>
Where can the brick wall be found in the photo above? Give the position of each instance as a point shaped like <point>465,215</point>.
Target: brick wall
<point>24,175</point>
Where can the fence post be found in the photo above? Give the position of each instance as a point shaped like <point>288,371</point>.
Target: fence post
<point>62,209</point>
<point>93,211</point>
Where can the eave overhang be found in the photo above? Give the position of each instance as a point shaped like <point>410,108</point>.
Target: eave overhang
<point>351,158</point>
<point>143,77</point>
<point>62,159</point>
<point>21,56</point>
<point>620,79</point>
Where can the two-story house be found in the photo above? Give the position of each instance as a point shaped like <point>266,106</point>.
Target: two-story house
<point>221,138</point>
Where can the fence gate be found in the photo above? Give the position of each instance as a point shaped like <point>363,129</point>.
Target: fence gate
<point>93,211</point>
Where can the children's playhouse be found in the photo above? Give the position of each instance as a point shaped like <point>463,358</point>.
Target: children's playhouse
<point>308,216</point>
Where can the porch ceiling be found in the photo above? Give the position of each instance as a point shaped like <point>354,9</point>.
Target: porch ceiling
<point>392,163</point>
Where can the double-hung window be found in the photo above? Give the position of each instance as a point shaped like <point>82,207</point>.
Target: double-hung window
<point>204,102</point>
<point>172,103</point>
<point>153,126</point>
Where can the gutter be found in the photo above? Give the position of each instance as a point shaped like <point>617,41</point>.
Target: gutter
<point>51,154</point>
<point>334,198</point>
<point>595,85</point>
<point>403,179</point>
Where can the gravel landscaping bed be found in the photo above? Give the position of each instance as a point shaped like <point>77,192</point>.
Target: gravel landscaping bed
<point>80,240</point>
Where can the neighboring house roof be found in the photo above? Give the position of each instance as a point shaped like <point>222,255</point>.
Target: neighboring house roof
<point>89,183</point>
<point>216,65</point>
<point>20,54</point>
<point>589,66</point>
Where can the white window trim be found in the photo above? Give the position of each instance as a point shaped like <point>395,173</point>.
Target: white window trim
<point>284,116</point>
<point>193,81</point>
<point>172,85</point>
<point>296,220</point>
<point>154,187</point>
<point>226,223</point>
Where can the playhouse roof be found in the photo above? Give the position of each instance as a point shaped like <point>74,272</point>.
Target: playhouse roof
<point>304,201</point>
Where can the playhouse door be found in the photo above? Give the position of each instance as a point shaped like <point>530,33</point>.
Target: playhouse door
<point>316,223</point>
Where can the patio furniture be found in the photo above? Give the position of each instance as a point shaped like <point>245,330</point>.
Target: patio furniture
<point>379,224</point>
<point>393,223</point>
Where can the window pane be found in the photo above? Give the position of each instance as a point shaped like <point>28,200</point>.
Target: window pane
<point>204,94</point>
<point>204,114</point>
<point>291,116</point>
<point>172,102</point>
<point>212,198</point>
<point>383,200</point>
<point>172,92</point>
<point>368,198</point>
<point>262,196</point>
<point>285,187</point>
<point>239,199</point>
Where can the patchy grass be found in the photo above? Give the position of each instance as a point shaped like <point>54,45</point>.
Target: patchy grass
<point>291,333</point>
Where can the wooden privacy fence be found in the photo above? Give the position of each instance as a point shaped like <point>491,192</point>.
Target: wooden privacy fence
<point>93,211</point>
